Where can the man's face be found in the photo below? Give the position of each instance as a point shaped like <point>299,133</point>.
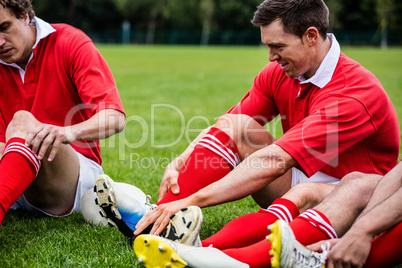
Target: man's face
<point>290,51</point>
<point>16,38</point>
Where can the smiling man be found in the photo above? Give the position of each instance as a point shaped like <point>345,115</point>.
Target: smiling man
<point>57,99</point>
<point>336,118</point>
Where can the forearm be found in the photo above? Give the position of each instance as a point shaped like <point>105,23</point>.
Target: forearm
<point>260,169</point>
<point>102,125</point>
<point>236,185</point>
<point>383,216</point>
<point>385,188</point>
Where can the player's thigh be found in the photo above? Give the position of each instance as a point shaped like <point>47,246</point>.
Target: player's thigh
<point>56,182</point>
<point>64,169</point>
<point>294,185</point>
<point>274,190</point>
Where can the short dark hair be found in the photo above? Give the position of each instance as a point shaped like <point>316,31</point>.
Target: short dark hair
<point>19,8</point>
<point>296,15</point>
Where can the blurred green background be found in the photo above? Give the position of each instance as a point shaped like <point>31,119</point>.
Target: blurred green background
<point>216,22</point>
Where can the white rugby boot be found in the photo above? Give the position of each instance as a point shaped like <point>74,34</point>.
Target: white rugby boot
<point>287,252</point>
<point>90,210</point>
<point>121,204</point>
<point>184,227</point>
<point>155,251</point>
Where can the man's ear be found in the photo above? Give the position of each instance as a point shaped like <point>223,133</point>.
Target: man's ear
<point>26,19</point>
<point>311,35</point>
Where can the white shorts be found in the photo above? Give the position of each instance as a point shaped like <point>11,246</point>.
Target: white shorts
<point>89,171</point>
<point>299,177</point>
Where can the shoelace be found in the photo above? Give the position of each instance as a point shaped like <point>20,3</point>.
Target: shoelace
<point>316,259</point>
<point>148,202</point>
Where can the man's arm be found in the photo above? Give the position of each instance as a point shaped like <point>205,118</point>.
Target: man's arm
<point>102,125</point>
<point>256,171</point>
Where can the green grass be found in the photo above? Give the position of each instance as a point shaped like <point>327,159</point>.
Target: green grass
<point>164,89</point>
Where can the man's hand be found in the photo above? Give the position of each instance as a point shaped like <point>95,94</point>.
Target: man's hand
<point>170,177</point>
<point>160,216</point>
<point>47,136</point>
<point>351,250</point>
<point>317,247</point>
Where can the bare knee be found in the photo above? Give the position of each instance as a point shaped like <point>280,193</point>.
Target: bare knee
<point>234,124</point>
<point>361,185</point>
<point>307,195</point>
<point>247,133</point>
<point>21,124</point>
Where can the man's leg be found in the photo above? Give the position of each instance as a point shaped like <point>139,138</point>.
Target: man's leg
<point>252,228</point>
<point>312,225</point>
<point>350,196</point>
<point>353,192</point>
<point>211,159</point>
<point>232,139</point>
<point>53,190</point>
<point>344,204</point>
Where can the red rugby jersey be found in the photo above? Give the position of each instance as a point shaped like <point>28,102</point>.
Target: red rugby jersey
<point>348,125</point>
<point>66,82</point>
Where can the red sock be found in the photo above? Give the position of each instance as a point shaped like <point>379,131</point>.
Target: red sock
<point>309,227</point>
<point>386,249</point>
<point>256,255</point>
<point>252,228</point>
<point>213,157</point>
<point>312,226</point>
<point>18,168</point>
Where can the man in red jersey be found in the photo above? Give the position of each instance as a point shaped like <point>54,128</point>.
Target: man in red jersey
<point>335,115</point>
<point>57,99</point>
<point>336,118</point>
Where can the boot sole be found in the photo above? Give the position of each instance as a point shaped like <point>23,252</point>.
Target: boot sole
<point>156,253</point>
<point>108,209</point>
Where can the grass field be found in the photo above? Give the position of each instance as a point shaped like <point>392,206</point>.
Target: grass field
<point>169,94</point>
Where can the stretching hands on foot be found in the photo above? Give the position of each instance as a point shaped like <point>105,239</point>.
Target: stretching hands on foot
<point>160,216</point>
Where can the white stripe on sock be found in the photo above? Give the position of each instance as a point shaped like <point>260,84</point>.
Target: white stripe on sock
<point>275,213</point>
<point>323,222</point>
<point>218,152</point>
<point>26,152</point>
<point>283,210</point>
<point>312,215</point>
<point>230,151</point>
<point>218,144</point>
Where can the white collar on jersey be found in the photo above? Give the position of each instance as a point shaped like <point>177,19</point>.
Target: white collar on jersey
<point>43,29</point>
<point>327,67</point>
